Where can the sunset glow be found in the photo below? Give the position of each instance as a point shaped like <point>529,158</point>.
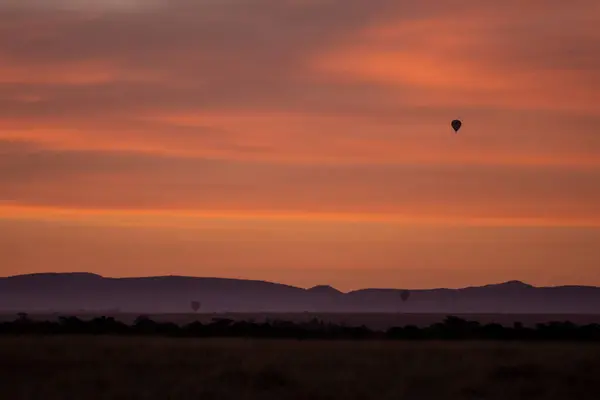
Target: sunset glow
<point>303,142</point>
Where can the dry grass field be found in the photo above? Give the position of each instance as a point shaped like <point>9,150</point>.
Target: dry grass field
<point>92,368</point>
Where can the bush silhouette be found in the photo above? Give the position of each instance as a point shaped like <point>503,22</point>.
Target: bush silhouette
<point>452,328</point>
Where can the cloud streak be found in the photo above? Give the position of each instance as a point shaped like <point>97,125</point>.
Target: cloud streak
<point>116,179</point>
<point>86,5</point>
<point>303,83</point>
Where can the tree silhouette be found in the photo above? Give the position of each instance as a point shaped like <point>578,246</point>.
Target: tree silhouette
<point>452,328</point>
<point>23,316</point>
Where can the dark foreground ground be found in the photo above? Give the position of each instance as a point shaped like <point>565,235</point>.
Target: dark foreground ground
<point>92,368</point>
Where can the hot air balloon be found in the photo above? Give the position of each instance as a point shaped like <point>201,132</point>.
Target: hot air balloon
<point>456,124</point>
<point>405,295</point>
<point>195,305</point>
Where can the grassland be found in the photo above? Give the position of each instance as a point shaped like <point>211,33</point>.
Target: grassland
<point>158,368</point>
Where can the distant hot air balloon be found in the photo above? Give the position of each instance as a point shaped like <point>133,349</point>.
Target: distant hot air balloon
<point>195,305</point>
<point>405,295</point>
<point>456,124</point>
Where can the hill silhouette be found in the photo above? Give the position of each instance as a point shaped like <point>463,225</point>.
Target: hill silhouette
<point>325,290</point>
<point>73,292</point>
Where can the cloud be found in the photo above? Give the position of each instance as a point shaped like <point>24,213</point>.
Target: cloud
<point>159,135</point>
<point>512,58</point>
<point>87,5</point>
<point>377,59</point>
<point>35,176</point>
<point>347,98</point>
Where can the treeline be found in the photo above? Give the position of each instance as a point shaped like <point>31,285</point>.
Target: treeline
<point>452,328</point>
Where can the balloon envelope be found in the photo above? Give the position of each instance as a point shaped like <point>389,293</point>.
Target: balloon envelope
<point>456,124</point>
<point>405,295</point>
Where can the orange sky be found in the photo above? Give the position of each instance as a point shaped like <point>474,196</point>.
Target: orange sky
<point>304,141</point>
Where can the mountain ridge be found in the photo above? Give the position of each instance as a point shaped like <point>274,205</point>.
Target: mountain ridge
<point>173,293</point>
<point>95,275</point>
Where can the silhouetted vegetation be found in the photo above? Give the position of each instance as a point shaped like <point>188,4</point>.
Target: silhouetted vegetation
<point>452,328</point>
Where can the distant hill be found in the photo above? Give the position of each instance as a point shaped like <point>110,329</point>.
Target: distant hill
<point>76,292</point>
